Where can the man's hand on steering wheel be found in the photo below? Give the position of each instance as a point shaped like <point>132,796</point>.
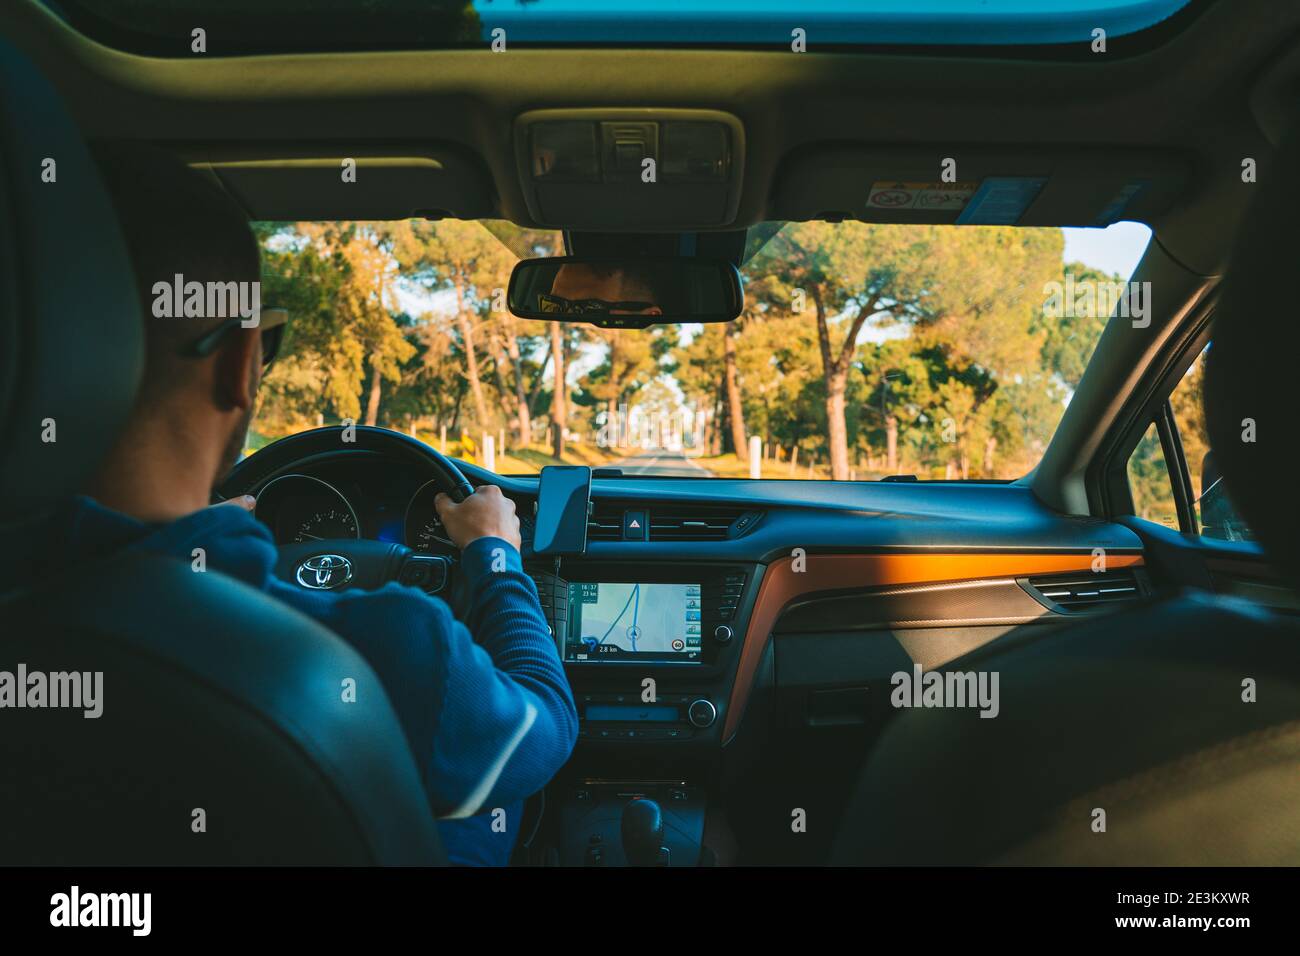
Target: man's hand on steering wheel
<point>485,514</point>
<point>367,564</point>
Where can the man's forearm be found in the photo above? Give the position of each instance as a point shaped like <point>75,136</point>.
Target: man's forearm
<point>506,620</point>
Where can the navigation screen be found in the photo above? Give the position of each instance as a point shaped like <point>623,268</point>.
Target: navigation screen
<point>633,622</point>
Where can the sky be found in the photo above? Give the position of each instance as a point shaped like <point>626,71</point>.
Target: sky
<point>1115,249</point>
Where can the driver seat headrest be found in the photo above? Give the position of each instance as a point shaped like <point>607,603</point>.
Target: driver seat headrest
<point>1251,374</point>
<point>71,331</point>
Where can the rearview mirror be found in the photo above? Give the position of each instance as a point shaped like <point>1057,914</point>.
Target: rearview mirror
<point>627,293</point>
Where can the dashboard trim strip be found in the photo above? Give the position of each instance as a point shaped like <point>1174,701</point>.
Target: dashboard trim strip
<point>782,585</point>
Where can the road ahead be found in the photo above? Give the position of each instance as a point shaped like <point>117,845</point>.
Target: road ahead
<point>672,464</point>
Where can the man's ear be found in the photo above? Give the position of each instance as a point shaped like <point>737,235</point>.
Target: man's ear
<point>238,366</point>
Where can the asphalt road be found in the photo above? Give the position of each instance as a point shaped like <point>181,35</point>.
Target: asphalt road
<point>666,463</point>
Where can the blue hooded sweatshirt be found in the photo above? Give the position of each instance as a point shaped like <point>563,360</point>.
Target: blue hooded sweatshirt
<point>489,717</point>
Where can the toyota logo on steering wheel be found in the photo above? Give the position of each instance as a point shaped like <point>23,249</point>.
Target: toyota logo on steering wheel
<point>324,572</point>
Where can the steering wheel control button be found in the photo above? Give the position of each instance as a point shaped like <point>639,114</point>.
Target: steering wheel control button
<point>324,572</point>
<point>723,634</point>
<point>426,572</point>
<point>636,526</point>
<point>415,575</point>
<point>702,713</point>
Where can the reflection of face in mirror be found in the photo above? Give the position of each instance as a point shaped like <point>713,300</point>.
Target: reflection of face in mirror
<point>612,290</point>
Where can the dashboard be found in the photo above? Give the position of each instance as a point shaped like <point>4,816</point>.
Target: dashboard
<point>710,617</point>
<point>686,579</point>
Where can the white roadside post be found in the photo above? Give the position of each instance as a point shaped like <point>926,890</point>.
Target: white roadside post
<point>755,457</point>
<point>490,452</point>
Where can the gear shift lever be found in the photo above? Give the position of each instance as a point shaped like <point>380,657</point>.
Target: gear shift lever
<point>643,833</point>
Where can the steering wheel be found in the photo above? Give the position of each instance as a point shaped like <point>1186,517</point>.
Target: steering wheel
<point>338,563</point>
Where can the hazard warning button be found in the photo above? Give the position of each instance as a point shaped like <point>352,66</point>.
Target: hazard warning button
<point>636,526</point>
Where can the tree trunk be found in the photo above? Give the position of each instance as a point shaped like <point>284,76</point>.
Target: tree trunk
<point>522,417</point>
<point>835,373</point>
<point>471,359</point>
<point>990,448</point>
<point>535,392</point>
<point>502,372</point>
<point>455,414</point>
<point>719,410</point>
<point>839,434</point>
<point>735,410</point>
<point>372,404</point>
<point>559,392</point>
<point>891,444</point>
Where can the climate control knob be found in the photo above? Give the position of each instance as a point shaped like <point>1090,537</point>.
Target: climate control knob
<point>702,713</point>
<point>722,634</point>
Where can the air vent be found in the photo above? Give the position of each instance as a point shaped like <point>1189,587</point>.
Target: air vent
<point>693,522</point>
<point>671,522</point>
<point>1085,591</point>
<point>606,521</point>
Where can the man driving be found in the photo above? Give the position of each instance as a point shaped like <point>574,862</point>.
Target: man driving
<point>489,717</point>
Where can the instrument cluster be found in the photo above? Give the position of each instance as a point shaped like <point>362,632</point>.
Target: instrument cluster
<point>373,499</point>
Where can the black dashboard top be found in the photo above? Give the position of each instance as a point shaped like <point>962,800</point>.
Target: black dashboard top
<point>841,516</point>
<point>778,515</point>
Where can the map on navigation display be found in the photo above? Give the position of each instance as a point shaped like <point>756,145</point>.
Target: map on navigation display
<point>608,620</point>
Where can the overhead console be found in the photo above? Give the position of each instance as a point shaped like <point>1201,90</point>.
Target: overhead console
<point>1003,187</point>
<point>630,169</point>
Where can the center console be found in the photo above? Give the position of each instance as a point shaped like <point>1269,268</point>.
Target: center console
<point>651,652</point>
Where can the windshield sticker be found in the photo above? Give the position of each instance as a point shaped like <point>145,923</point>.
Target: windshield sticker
<point>1113,211</point>
<point>1002,200</point>
<point>920,197</point>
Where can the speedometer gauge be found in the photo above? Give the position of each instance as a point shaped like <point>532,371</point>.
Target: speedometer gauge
<point>303,508</point>
<point>327,523</point>
<point>427,535</point>
<point>424,530</point>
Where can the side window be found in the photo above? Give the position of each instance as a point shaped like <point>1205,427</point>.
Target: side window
<point>1148,479</point>
<point>1215,515</point>
<point>1148,471</point>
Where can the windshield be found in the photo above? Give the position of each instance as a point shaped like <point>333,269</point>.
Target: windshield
<point>865,351</point>
<point>167,27</point>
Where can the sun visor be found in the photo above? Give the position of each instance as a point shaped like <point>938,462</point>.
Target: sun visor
<point>977,187</point>
<point>298,185</point>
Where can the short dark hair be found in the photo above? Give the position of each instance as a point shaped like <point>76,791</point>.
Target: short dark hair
<point>642,280</point>
<point>174,222</point>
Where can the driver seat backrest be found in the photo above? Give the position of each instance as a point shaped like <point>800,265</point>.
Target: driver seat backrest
<point>225,734</point>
